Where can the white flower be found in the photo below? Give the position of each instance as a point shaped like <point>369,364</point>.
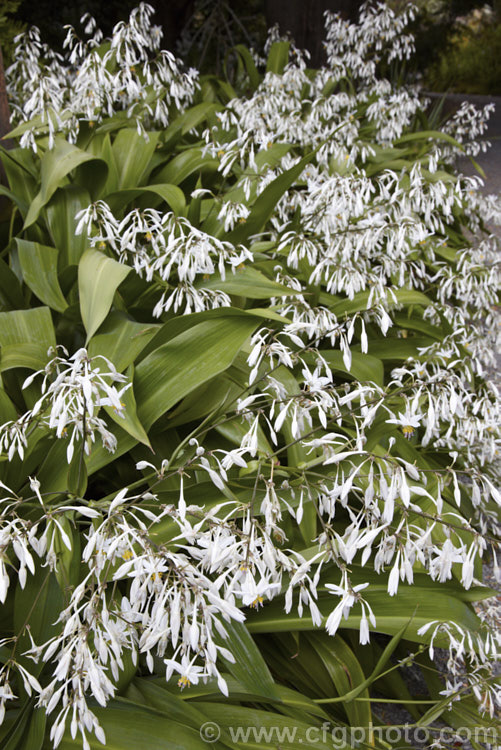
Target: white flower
<point>407,421</point>
<point>73,391</point>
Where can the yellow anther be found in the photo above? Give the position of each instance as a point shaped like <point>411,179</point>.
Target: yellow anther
<point>258,602</point>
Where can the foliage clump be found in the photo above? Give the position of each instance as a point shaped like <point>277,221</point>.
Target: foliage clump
<point>245,351</point>
<point>469,62</point>
<point>9,27</point>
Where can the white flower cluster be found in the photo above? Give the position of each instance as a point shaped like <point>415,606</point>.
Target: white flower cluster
<point>73,391</point>
<point>168,250</point>
<point>178,594</point>
<point>376,231</point>
<point>56,94</point>
<point>470,663</point>
<point>324,118</point>
<point>181,588</point>
<point>466,126</point>
<point>390,470</point>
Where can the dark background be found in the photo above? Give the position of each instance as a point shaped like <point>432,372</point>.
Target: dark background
<point>213,25</point>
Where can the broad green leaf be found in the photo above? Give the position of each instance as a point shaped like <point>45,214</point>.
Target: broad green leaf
<point>247,282</point>
<point>235,429</point>
<point>53,471</point>
<point>345,671</point>
<point>171,194</point>
<point>293,657</point>
<point>103,148</point>
<point>398,348</point>
<point>278,57</point>
<point>187,708</point>
<point>422,581</point>
<point>11,294</point>
<point>269,314</point>
<point>427,135</point>
<point>23,158</point>
<point>132,153</point>
<point>189,120</point>
<point>7,409</point>
<point>35,606</point>
<point>411,297</point>
<point>34,738</point>
<point>222,87</point>
<point>30,356</point>
<point>237,691</point>
<point>56,166</point>
<point>176,368</point>
<point>197,114</point>
<point>272,155</point>
<point>121,339</point>
<point>184,164</point>
<point>38,123</point>
<point>157,695</point>
<point>77,480</point>
<point>26,335</point>
<point>249,667</point>
<point>392,613</point>
<point>181,323</point>
<point>98,279</point>
<point>464,713</point>
<point>415,323</point>
<point>61,213</point>
<point>364,367</point>
<point>345,306</point>
<point>22,176</point>
<point>263,730</point>
<point>248,64</point>
<point>13,739</point>
<point>15,198</point>
<point>264,206</point>
<point>39,267</point>
<point>209,397</point>
<point>130,727</point>
<point>68,560</point>
<point>381,663</point>
<point>128,419</point>
<point>177,706</point>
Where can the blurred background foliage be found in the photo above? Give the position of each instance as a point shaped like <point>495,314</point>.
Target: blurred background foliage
<point>458,41</point>
<point>10,26</point>
<point>469,61</point>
